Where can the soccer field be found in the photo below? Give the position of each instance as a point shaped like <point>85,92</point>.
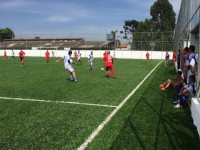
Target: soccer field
<point>41,109</point>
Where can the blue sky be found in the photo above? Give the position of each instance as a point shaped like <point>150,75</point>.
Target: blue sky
<point>72,16</point>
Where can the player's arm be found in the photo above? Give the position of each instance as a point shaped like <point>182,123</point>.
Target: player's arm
<point>59,60</point>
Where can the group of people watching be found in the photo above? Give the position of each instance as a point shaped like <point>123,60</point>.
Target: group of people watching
<point>186,79</point>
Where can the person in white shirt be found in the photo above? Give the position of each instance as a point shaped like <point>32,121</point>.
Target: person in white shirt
<point>67,63</point>
<point>90,60</point>
<point>188,60</point>
<point>79,57</point>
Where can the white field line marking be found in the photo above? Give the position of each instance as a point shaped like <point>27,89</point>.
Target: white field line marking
<point>102,125</point>
<point>59,102</point>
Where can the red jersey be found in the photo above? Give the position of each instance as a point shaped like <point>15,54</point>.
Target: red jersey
<point>47,54</point>
<point>108,60</point>
<point>180,79</point>
<point>21,54</point>
<point>75,54</point>
<point>147,55</point>
<point>174,56</point>
<point>4,53</point>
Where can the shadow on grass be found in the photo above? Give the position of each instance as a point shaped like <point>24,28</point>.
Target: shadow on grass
<point>155,124</point>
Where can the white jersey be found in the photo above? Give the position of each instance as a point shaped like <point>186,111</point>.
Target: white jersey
<point>67,63</point>
<point>90,58</point>
<point>79,56</point>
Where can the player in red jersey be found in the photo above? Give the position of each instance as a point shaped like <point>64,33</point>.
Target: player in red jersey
<point>109,64</point>
<point>104,55</point>
<point>75,55</point>
<point>5,55</point>
<point>47,56</point>
<point>171,83</point>
<point>147,57</point>
<point>21,57</point>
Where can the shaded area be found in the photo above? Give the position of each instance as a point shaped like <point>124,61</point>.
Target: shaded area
<point>155,124</point>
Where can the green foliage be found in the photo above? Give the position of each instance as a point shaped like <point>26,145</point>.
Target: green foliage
<point>6,33</point>
<point>163,15</point>
<point>160,28</point>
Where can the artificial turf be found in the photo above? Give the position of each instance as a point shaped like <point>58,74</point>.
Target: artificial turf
<point>146,121</point>
<point>149,120</point>
<point>38,125</point>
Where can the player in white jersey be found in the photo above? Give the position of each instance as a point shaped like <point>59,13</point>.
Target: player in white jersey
<point>79,57</point>
<point>67,63</point>
<point>90,60</point>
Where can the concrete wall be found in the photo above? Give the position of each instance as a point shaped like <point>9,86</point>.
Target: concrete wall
<point>195,110</point>
<point>97,54</point>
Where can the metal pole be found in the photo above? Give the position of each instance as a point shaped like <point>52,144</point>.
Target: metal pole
<point>198,67</point>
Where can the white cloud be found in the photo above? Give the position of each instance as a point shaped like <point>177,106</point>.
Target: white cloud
<point>12,4</point>
<point>58,19</point>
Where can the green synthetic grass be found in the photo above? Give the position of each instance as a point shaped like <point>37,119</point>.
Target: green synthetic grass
<point>37,125</point>
<point>146,121</point>
<point>151,121</point>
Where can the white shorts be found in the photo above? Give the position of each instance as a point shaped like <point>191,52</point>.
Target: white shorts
<point>90,63</point>
<point>69,68</point>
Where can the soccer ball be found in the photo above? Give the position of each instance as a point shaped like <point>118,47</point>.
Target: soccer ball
<point>102,68</point>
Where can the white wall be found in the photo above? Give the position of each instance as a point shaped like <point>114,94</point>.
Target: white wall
<point>96,53</point>
<point>195,109</point>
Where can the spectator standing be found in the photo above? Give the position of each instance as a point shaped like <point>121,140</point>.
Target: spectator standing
<point>186,54</point>
<point>13,54</point>
<point>189,58</point>
<point>166,58</point>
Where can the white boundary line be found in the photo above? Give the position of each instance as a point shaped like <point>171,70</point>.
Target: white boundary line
<point>59,102</point>
<point>102,125</point>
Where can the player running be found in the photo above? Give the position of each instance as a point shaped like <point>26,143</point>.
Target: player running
<point>21,57</point>
<point>67,62</point>
<point>109,65</point>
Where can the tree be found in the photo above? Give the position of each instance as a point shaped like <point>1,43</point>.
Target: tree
<point>163,15</point>
<point>114,38</point>
<point>6,33</point>
<point>157,29</point>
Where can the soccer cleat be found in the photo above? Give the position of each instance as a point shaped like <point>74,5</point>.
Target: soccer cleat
<point>162,85</point>
<point>163,89</point>
<point>177,106</point>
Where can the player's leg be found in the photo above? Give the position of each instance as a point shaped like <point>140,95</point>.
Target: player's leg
<point>91,69</point>
<point>74,76</point>
<point>80,61</point>
<point>113,71</point>
<point>72,73</point>
<point>107,71</point>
